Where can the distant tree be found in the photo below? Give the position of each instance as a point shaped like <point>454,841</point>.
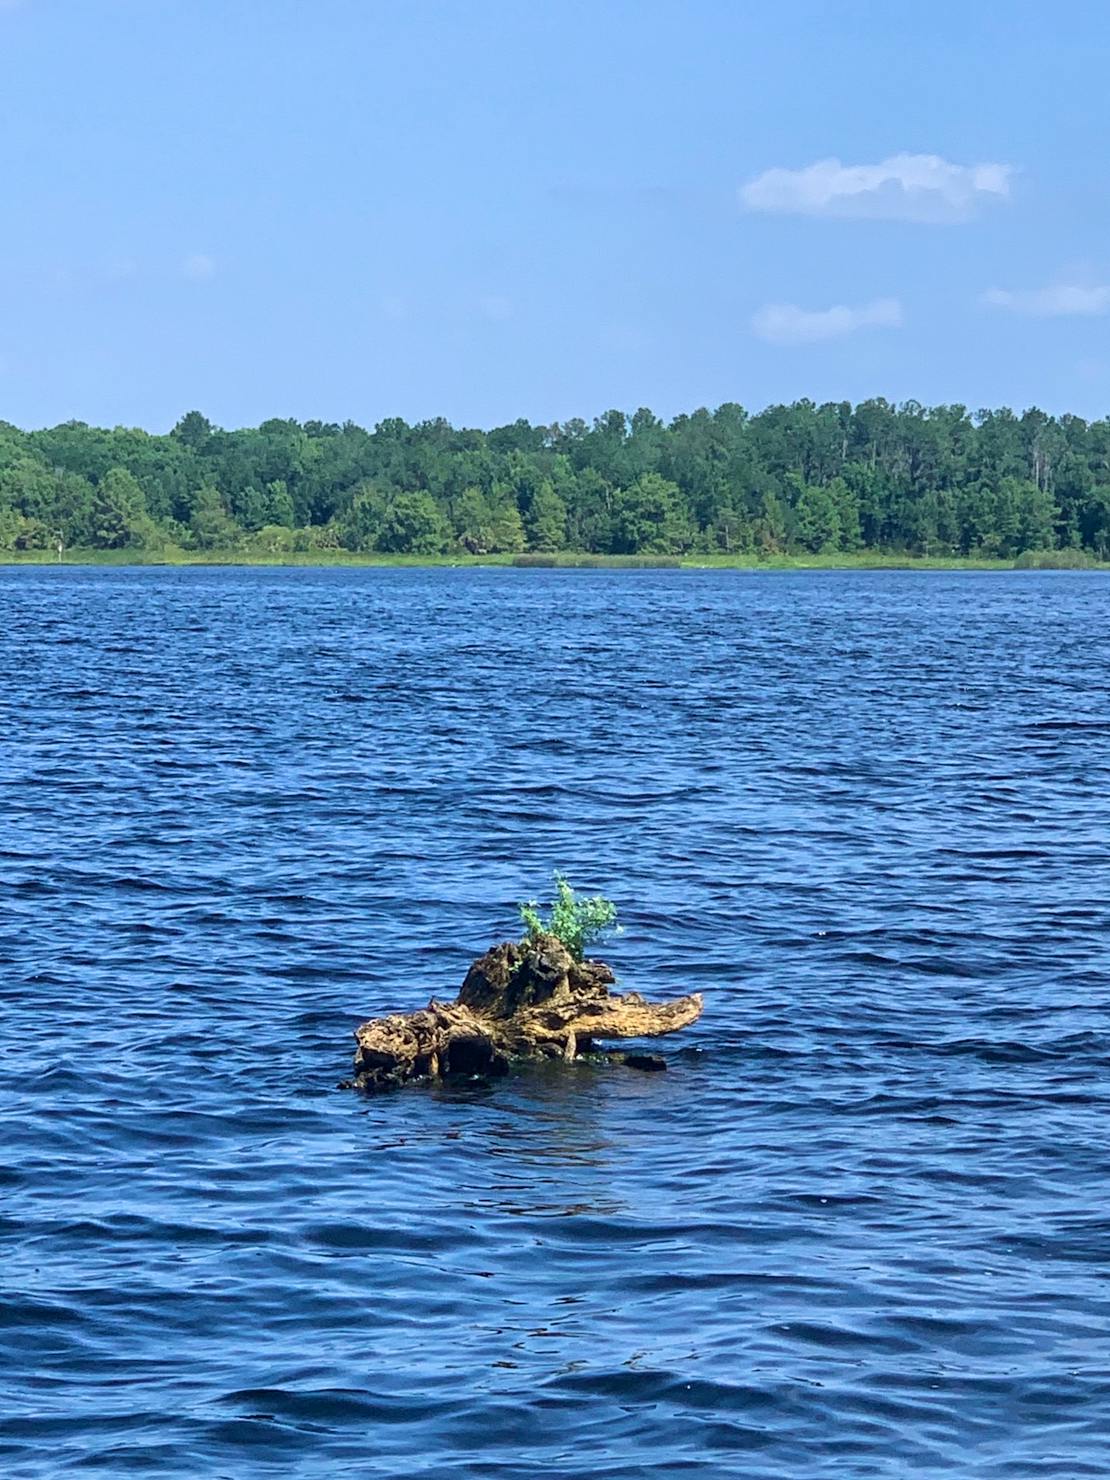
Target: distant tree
<point>28,486</point>
<point>546,523</point>
<point>649,518</point>
<point>975,516</point>
<point>193,431</point>
<point>361,524</point>
<point>846,505</point>
<point>248,507</point>
<point>211,525</point>
<point>772,525</point>
<point>506,527</point>
<point>11,526</point>
<point>472,519</point>
<point>412,525</point>
<point>1036,518</point>
<point>590,510</point>
<point>118,515</point>
<point>816,521</point>
<point>1094,521</point>
<point>278,504</point>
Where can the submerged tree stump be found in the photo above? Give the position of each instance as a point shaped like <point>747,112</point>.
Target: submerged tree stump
<point>527,999</point>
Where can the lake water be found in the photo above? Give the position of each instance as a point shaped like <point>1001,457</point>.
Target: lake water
<point>860,1228</point>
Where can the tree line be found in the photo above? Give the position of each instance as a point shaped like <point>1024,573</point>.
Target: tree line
<point>803,478</point>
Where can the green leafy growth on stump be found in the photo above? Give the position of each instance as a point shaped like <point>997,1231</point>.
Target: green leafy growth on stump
<point>576,922</point>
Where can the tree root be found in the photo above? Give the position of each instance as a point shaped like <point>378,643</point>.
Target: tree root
<point>520,1000</point>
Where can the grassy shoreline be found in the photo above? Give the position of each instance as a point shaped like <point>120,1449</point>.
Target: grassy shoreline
<point>562,560</point>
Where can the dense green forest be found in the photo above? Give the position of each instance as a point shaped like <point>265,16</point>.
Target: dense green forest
<point>793,479</point>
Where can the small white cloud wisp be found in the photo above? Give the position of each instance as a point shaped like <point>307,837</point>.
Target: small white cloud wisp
<point>496,306</point>
<point>1059,300</point>
<point>199,268</point>
<point>905,187</point>
<point>786,323</point>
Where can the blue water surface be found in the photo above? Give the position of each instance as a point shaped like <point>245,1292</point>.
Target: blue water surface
<point>860,1228</point>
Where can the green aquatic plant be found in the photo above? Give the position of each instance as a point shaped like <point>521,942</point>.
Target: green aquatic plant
<point>574,921</point>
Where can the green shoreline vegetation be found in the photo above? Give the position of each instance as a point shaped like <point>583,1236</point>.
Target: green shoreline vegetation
<point>790,487</point>
<point>561,560</point>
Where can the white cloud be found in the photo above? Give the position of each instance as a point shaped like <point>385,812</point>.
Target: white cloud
<point>199,268</point>
<point>117,269</point>
<point>1052,302</point>
<point>905,187</point>
<point>786,323</point>
<point>496,307</point>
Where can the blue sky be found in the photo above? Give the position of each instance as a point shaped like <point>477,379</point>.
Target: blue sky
<point>498,208</point>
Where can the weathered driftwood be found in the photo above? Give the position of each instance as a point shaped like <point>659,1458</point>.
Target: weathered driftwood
<point>520,1000</point>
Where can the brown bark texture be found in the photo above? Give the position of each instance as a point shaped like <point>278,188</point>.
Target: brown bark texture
<point>526,999</point>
